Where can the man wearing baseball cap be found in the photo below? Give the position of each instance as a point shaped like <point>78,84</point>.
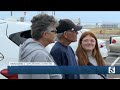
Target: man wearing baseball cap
<point>62,53</point>
<point>66,25</point>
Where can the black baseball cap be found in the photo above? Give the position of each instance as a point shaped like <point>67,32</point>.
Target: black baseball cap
<point>67,24</point>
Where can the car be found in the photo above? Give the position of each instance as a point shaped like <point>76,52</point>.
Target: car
<point>102,48</point>
<point>101,44</point>
<point>114,45</point>
<point>12,34</point>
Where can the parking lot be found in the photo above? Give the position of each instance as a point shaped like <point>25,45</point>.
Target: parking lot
<point>113,59</point>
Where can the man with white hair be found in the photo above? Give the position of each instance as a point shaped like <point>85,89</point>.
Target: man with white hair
<point>62,53</point>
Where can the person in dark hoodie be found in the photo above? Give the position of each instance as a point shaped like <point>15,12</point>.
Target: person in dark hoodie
<point>62,53</point>
<point>43,31</point>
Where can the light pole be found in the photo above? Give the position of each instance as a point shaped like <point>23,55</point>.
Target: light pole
<point>11,13</point>
<point>79,22</point>
<point>53,13</point>
<point>24,15</point>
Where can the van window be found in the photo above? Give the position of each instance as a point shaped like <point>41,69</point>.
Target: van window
<point>20,37</point>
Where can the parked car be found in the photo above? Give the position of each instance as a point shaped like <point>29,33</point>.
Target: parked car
<point>114,44</point>
<point>12,34</point>
<point>103,48</point>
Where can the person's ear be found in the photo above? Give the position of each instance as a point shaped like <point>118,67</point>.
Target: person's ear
<point>44,34</point>
<point>65,34</point>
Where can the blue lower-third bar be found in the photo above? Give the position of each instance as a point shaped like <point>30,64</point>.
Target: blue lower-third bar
<point>63,70</point>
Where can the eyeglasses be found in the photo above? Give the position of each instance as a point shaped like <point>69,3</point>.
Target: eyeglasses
<point>54,31</point>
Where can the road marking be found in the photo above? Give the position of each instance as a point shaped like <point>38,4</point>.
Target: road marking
<point>115,61</point>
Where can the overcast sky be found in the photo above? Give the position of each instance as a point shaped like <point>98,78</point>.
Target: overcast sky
<point>85,16</point>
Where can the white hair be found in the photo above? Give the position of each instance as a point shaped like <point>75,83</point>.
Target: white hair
<point>59,35</point>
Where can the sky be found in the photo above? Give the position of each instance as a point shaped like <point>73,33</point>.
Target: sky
<point>85,16</point>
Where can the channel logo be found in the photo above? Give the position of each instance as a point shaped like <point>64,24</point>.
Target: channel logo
<point>111,69</point>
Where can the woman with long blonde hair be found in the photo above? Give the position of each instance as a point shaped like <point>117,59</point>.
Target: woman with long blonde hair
<point>88,53</point>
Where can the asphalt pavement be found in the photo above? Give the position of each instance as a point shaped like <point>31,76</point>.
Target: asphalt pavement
<point>112,59</point>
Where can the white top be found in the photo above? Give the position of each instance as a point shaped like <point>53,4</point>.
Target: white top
<point>91,76</point>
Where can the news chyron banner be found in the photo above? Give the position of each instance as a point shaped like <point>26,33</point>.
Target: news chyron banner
<point>50,68</point>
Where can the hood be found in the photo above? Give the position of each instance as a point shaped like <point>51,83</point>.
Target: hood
<point>28,47</point>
